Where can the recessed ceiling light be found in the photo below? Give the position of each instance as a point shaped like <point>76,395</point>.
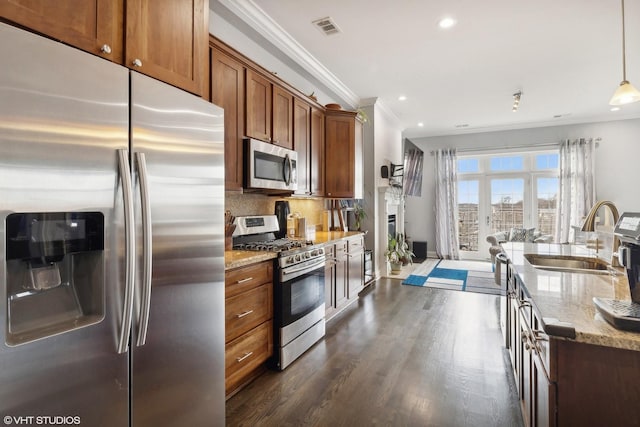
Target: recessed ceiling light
<point>421,124</point>
<point>446,22</point>
<point>402,98</point>
<point>615,108</point>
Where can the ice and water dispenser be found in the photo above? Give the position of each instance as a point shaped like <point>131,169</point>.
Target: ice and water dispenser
<point>55,273</point>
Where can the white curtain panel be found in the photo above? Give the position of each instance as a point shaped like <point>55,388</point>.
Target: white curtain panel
<point>412,183</point>
<point>577,193</point>
<point>446,206</point>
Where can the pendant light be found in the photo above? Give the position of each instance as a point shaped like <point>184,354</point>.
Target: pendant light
<point>626,93</point>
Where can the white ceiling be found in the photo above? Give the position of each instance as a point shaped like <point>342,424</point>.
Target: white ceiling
<point>564,55</point>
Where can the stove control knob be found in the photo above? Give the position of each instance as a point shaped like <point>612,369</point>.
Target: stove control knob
<point>298,258</point>
<point>321,251</point>
<point>307,255</point>
<point>290,260</point>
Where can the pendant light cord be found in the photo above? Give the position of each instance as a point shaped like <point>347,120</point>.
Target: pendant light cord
<point>624,61</point>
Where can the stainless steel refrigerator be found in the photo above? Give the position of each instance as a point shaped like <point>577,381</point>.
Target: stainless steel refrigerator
<point>111,230</point>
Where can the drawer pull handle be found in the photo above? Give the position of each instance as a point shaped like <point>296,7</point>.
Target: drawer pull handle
<point>246,313</point>
<point>240,359</point>
<point>244,280</point>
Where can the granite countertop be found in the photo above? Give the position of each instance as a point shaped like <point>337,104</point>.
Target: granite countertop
<point>234,258</point>
<point>565,299</point>
<point>330,236</point>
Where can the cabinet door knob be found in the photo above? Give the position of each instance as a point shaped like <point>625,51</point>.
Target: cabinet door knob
<point>137,63</point>
<point>105,49</point>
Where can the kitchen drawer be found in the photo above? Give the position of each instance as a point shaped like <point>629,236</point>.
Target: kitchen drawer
<point>247,310</point>
<point>356,244</point>
<point>244,278</point>
<point>246,353</point>
<point>341,247</point>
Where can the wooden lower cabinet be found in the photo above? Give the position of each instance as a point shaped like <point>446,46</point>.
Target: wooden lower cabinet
<point>246,354</point>
<point>335,278</point>
<point>529,350</point>
<point>342,268</point>
<point>344,274</point>
<point>543,395</point>
<point>355,261</point>
<point>330,282</point>
<point>562,382</point>
<point>596,385</point>
<point>248,323</point>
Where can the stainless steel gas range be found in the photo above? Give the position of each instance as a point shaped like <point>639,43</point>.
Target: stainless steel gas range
<point>298,285</point>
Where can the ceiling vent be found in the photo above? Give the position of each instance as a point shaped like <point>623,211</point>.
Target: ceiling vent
<point>326,25</point>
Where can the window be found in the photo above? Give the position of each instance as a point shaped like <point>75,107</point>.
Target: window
<point>511,163</point>
<point>498,192</point>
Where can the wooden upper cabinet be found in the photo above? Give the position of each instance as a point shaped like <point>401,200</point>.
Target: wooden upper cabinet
<point>227,91</point>
<point>167,40</point>
<point>91,25</point>
<point>343,151</point>
<point>302,144</point>
<point>308,141</point>
<point>317,167</point>
<point>258,106</point>
<point>282,128</point>
<point>269,111</point>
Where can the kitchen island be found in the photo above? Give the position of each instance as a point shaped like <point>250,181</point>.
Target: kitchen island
<point>571,367</point>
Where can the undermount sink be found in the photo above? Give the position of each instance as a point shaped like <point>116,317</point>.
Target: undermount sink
<point>568,263</point>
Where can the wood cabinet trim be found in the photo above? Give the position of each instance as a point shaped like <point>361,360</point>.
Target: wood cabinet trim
<point>249,64</point>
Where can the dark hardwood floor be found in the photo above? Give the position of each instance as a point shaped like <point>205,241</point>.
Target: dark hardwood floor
<point>401,356</point>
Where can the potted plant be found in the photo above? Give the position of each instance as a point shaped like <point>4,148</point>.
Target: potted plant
<point>406,254</point>
<point>393,254</point>
<point>397,252</point>
<point>359,214</point>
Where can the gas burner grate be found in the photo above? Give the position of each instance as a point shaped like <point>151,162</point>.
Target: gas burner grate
<point>277,245</point>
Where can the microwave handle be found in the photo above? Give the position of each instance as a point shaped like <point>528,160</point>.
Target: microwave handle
<point>287,169</point>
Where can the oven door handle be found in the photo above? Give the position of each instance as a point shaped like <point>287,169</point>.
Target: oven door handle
<point>291,271</point>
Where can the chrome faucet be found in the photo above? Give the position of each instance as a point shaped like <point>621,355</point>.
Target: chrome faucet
<point>589,224</point>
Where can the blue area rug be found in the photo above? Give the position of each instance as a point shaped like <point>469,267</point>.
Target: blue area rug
<point>456,279</point>
<point>448,273</point>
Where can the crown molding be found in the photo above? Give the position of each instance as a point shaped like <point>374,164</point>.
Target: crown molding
<point>377,103</point>
<point>264,25</point>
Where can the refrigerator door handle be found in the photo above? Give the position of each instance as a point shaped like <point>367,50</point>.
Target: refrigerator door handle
<point>129,231</point>
<point>143,321</point>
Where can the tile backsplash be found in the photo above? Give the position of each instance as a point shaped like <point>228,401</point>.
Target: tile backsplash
<point>259,204</point>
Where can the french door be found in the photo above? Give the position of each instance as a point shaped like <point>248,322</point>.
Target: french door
<point>487,205</point>
<point>500,192</point>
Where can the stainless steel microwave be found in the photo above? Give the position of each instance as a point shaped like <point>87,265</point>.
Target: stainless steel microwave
<point>269,166</point>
